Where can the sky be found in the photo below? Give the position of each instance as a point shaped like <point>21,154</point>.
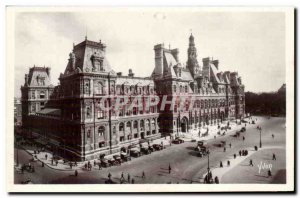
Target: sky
<point>251,43</point>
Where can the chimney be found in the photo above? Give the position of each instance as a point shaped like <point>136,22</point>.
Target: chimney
<point>216,63</point>
<point>158,49</point>
<point>130,73</point>
<point>175,53</point>
<point>26,79</point>
<point>205,61</point>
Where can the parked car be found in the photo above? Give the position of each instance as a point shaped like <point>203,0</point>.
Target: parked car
<point>145,151</point>
<point>113,162</point>
<point>178,141</point>
<point>135,152</point>
<point>118,159</point>
<point>151,148</point>
<point>157,147</point>
<point>125,157</point>
<point>104,163</point>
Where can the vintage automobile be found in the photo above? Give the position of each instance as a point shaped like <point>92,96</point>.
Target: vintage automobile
<point>157,147</point>
<point>113,162</point>
<point>243,129</point>
<point>125,157</point>
<point>151,148</point>
<point>104,163</point>
<point>178,141</point>
<point>135,152</point>
<point>118,159</point>
<point>145,150</point>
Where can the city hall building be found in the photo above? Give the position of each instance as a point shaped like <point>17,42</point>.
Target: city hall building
<point>69,118</point>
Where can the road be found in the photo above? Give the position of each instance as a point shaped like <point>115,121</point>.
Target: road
<point>186,166</point>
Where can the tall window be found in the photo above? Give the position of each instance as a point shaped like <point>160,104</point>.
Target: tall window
<point>101,131</point>
<point>121,126</point>
<point>174,87</point>
<point>186,89</point>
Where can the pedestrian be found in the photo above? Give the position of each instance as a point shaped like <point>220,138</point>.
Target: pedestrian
<point>274,157</point>
<point>246,152</point>
<point>122,175</point>
<point>128,177</point>
<point>143,175</point>
<point>132,181</point>
<point>234,156</point>
<point>170,169</point>
<point>99,164</point>
<point>221,164</point>
<point>75,163</point>
<point>56,162</point>
<point>243,138</point>
<point>240,152</point>
<point>76,173</point>
<point>224,149</point>
<point>109,176</point>
<point>273,136</point>
<point>43,164</point>
<point>85,166</point>
<point>255,148</point>
<point>52,161</point>
<point>94,162</point>
<point>269,173</point>
<point>216,180</point>
<point>229,145</point>
<point>71,165</point>
<point>228,163</point>
<point>250,162</point>
<point>46,156</point>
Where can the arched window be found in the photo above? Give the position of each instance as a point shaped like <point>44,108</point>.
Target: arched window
<point>135,124</point>
<point>142,125</point>
<point>128,125</point>
<point>101,131</point>
<point>148,123</point>
<point>87,87</point>
<point>121,126</point>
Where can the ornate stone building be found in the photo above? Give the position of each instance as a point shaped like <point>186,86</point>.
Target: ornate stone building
<point>70,118</point>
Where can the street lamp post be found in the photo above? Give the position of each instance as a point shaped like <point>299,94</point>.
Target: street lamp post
<point>260,144</point>
<point>208,169</point>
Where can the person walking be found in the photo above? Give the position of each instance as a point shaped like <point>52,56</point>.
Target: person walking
<point>273,136</point>
<point>109,176</point>
<point>43,164</point>
<point>132,181</point>
<point>122,176</point>
<point>221,164</point>
<point>224,149</point>
<point>240,152</point>
<point>228,163</point>
<point>274,156</point>
<point>94,162</point>
<point>56,162</point>
<point>128,177</point>
<point>46,156</point>
<point>75,164</point>
<point>76,173</point>
<point>243,138</point>
<point>99,165</point>
<point>143,175</point>
<point>234,156</point>
<point>269,173</point>
<point>250,162</point>
<point>170,169</point>
<point>229,145</point>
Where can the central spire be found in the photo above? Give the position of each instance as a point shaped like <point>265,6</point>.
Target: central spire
<point>192,62</point>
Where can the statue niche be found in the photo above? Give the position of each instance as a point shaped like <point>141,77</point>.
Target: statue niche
<point>97,62</point>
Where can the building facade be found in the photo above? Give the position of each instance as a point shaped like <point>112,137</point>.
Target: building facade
<point>82,118</point>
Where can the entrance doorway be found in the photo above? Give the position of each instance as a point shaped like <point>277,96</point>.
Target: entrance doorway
<point>184,125</point>
<point>142,135</point>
